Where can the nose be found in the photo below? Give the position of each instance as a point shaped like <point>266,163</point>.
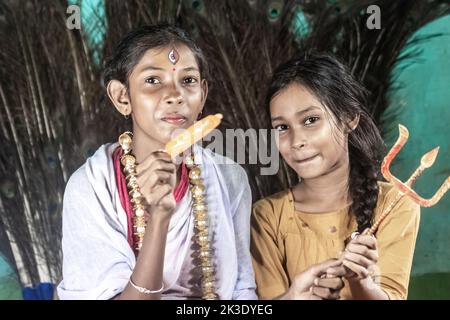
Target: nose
<point>174,96</point>
<point>298,140</point>
<point>174,99</point>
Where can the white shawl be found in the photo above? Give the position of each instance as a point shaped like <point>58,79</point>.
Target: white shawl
<point>97,259</point>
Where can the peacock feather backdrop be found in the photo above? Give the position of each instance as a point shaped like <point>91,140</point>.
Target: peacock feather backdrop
<point>54,113</point>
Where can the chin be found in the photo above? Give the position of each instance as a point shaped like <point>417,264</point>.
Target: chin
<point>161,133</point>
<point>160,137</point>
<point>165,139</point>
<point>308,173</point>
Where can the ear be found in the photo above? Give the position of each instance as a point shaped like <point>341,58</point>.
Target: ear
<point>353,124</point>
<point>117,92</point>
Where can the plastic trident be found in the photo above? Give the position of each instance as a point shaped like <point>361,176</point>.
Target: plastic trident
<point>405,188</point>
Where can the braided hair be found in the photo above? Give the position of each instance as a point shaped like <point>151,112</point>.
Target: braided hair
<point>342,95</point>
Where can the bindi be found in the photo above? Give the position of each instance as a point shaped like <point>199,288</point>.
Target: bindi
<point>174,56</point>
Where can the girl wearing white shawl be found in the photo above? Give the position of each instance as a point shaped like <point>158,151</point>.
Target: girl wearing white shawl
<point>157,76</point>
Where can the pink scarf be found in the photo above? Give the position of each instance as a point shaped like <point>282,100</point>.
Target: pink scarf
<point>179,192</point>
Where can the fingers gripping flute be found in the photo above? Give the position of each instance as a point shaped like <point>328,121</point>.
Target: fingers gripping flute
<point>174,147</point>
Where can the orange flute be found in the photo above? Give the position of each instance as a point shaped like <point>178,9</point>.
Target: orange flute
<point>193,134</point>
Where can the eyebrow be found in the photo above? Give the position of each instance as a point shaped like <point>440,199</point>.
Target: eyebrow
<point>299,113</point>
<point>151,68</point>
<point>190,69</point>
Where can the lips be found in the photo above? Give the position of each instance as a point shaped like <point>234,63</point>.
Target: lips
<point>306,159</point>
<point>176,119</point>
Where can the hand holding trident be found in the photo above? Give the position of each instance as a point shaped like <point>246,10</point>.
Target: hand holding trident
<point>405,188</point>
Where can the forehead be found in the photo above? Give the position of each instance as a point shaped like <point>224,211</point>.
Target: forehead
<point>159,57</point>
<point>294,98</point>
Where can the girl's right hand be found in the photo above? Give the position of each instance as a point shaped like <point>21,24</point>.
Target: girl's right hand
<point>315,284</point>
<point>156,177</point>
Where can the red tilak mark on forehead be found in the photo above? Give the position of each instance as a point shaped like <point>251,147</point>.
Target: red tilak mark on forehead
<point>174,69</point>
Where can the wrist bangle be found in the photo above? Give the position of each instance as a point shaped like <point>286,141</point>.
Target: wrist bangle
<point>145,290</point>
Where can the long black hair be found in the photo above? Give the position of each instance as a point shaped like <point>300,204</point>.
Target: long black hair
<point>333,84</point>
<point>134,45</point>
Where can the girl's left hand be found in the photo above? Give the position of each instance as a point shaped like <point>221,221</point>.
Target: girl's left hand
<point>360,257</point>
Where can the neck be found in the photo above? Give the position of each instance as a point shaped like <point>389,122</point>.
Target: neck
<point>328,192</point>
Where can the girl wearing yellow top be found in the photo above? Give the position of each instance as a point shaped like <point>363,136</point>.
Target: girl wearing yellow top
<point>301,237</point>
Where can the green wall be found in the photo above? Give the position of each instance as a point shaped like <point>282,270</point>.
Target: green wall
<point>9,284</point>
<point>422,103</point>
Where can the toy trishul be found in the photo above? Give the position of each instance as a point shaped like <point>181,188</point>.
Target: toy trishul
<point>405,188</point>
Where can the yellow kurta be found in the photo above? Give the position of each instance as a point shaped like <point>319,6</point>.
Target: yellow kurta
<point>285,242</point>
